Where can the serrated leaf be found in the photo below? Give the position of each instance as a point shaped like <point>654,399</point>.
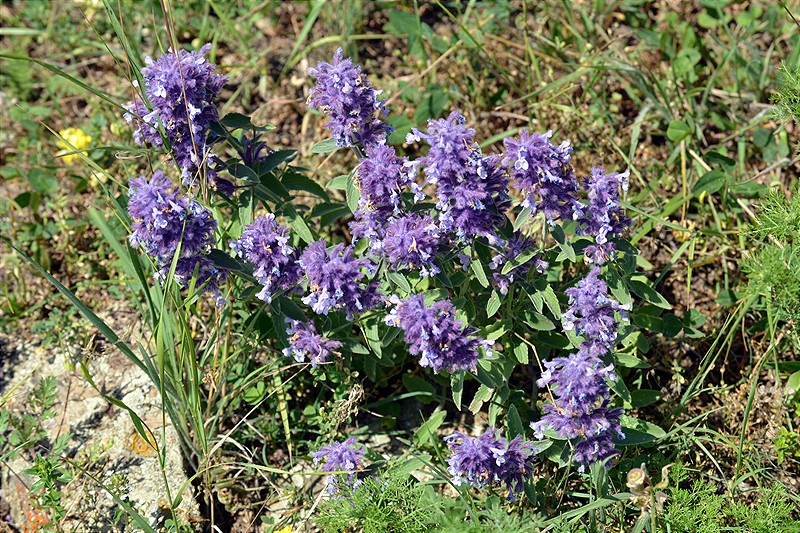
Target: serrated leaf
<point>482,395</point>
<point>551,300</point>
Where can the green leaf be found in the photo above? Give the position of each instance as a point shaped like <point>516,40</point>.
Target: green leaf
<point>275,159</point>
<point>648,294</point>
<point>338,183</point>
<point>299,225</point>
<point>514,423</point>
<point>482,395</point>
<point>551,300</point>
<point>521,259</point>
<point>677,130</point>
<point>400,281</point>
<point>493,305</point>
<point>457,387</point>
<point>427,431</point>
<point>352,193</point>
<point>235,121</point>
<point>294,181</point>
<point>43,181</point>
<point>480,274</point>
<point>225,261</point>
<point>402,23</point>
<point>243,172</point>
<point>644,397</point>
<point>793,385</point>
<point>626,360</point>
<point>325,147</point>
<point>709,183</point>
<point>521,353</point>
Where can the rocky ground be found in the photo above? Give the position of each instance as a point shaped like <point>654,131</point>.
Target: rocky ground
<point>104,448</point>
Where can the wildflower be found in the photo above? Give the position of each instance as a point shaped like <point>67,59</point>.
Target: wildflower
<point>165,222</point>
<point>434,334</point>
<point>603,218</point>
<point>411,242</point>
<point>543,173</point>
<point>591,314</point>
<point>334,280</point>
<point>509,251</point>
<point>579,382</point>
<point>181,87</point>
<point>381,177</point>
<point>350,102</point>
<point>305,343</point>
<point>490,460</point>
<point>73,140</point>
<point>345,455</point>
<point>471,189</point>
<point>265,244</point>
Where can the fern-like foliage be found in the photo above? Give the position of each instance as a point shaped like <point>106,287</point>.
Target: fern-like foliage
<point>787,99</point>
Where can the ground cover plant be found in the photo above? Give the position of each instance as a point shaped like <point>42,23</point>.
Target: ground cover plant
<point>402,267</point>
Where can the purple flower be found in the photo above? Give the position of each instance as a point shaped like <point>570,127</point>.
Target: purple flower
<point>334,280</point>
<point>381,177</point>
<point>591,314</point>
<point>181,87</point>
<point>434,334</point>
<point>305,343</point>
<point>265,244</point>
<point>411,242</point>
<point>490,460</point>
<point>579,382</point>
<point>164,221</point>
<point>471,189</point>
<point>250,152</point>
<point>146,123</point>
<point>604,218</point>
<point>337,456</point>
<point>510,250</point>
<point>543,174</point>
<point>350,102</point>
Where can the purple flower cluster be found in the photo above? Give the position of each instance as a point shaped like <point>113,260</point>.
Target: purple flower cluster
<point>265,244</point>
<point>411,242</point>
<point>350,102</point>
<point>306,343</point>
<point>164,221</point>
<point>543,174</point>
<point>334,280</point>
<point>381,177</point>
<point>581,408</point>
<point>604,218</point>
<point>510,250</point>
<point>181,87</point>
<point>337,456</point>
<point>471,189</point>
<point>434,334</point>
<point>490,460</point>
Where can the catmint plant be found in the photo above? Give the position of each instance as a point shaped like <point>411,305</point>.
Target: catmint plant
<point>336,456</point>
<point>490,460</point>
<point>182,87</point>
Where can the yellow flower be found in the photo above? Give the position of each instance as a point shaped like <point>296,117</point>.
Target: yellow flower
<point>287,529</point>
<point>75,139</point>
